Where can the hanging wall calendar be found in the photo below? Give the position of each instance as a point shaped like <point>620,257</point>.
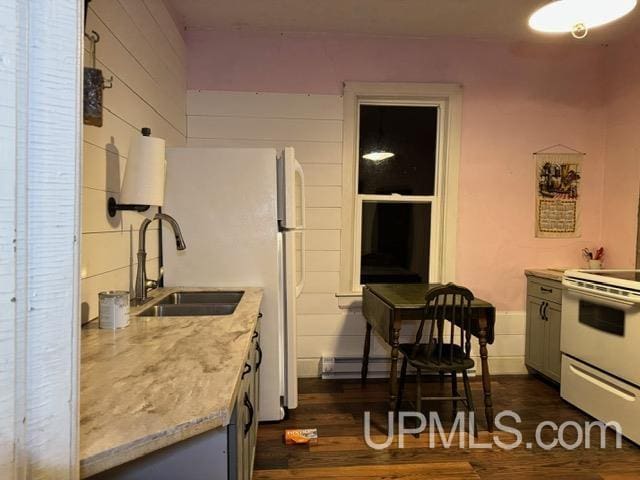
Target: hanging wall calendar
<point>558,194</point>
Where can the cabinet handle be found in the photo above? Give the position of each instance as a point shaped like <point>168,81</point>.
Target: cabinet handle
<point>247,369</point>
<point>540,310</point>
<point>247,403</point>
<point>260,315</point>
<point>544,311</point>
<point>259,350</point>
<point>255,335</point>
<point>546,290</point>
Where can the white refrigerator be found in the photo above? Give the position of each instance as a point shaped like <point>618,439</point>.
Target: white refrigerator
<point>241,211</point>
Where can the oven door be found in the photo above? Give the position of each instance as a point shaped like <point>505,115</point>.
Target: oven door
<point>602,331</point>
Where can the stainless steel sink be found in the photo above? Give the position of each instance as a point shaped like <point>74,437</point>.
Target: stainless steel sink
<point>187,304</point>
<point>215,297</point>
<point>189,310</point>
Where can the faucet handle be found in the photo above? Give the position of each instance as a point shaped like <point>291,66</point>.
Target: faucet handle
<point>150,284</point>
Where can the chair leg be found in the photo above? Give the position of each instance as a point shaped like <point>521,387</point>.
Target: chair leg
<point>365,354</point>
<point>454,393</point>
<point>403,378</point>
<point>418,390</point>
<point>418,394</point>
<point>468,394</point>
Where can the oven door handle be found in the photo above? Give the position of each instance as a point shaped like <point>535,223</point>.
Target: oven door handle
<point>612,300</point>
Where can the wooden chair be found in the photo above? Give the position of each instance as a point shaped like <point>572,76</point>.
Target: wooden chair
<point>443,352</point>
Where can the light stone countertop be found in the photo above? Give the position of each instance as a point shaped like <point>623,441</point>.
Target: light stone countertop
<point>160,380</point>
<point>548,273</point>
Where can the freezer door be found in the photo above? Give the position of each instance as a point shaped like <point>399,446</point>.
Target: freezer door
<point>291,195</point>
<point>293,273</point>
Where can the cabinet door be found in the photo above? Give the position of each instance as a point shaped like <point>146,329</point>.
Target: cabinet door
<point>247,429</point>
<point>256,358</point>
<point>255,399</point>
<point>553,356</point>
<point>241,419</point>
<point>535,346</point>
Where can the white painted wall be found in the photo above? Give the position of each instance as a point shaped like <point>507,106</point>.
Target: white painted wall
<point>141,47</point>
<point>313,125</point>
<point>40,84</point>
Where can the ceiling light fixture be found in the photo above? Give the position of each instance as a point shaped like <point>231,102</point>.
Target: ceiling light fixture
<point>578,16</point>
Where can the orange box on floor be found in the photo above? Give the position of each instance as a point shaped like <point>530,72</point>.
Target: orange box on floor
<point>301,436</point>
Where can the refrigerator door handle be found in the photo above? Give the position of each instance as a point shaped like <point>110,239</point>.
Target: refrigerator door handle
<point>291,202</point>
<point>303,215</point>
<point>303,264</point>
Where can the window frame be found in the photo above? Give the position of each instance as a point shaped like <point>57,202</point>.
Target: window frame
<point>448,99</point>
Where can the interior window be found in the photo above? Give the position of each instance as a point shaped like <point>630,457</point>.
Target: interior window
<point>410,133</point>
<point>395,242</point>
<point>397,178</point>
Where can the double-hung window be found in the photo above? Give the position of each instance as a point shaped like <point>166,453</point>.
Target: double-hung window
<point>403,185</point>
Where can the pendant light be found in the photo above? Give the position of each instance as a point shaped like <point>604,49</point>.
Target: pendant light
<point>378,155</point>
<point>379,152</point>
<point>578,16</point>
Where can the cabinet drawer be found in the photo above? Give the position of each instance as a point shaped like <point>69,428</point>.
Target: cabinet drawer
<point>546,289</point>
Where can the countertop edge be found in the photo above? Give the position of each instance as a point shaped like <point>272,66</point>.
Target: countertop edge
<point>548,274</point>
<point>125,453</point>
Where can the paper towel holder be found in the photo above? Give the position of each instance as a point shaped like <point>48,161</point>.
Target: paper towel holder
<point>113,207</point>
<point>112,204</point>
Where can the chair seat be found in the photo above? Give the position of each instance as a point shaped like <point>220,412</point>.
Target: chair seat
<point>424,361</point>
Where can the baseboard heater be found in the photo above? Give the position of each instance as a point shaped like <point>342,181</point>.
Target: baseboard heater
<point>351,367</point>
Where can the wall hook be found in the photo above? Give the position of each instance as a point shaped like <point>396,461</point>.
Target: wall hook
<point>93,37</point>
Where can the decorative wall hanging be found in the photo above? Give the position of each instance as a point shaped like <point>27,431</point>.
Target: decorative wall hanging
<point>558,195</point>
<point>94,84</point>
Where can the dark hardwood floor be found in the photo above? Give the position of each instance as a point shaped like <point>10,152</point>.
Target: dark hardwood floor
<point>336,408</point>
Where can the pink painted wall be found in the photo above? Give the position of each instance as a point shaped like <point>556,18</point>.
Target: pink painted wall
<point>518,98</point>
<point>622,172</point>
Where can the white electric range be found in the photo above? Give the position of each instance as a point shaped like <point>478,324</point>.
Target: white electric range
<point>600,344</point>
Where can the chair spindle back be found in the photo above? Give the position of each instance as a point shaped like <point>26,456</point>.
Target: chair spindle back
<point>448,302</point>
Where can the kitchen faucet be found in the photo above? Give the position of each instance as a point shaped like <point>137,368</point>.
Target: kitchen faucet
<point>142,285</point>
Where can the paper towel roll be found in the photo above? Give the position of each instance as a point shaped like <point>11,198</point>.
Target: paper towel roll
<point>145,172</point>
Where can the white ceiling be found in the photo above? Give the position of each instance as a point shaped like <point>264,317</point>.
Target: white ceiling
<point>501,19</point>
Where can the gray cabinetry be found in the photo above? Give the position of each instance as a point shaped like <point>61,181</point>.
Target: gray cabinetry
<point>544,307</point>
<point>245,432</point>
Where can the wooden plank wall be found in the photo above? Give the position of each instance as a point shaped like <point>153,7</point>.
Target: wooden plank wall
<point>12,331</point>
<point>312,124</point>
<point>40,82</point>
<point>141,47</point>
